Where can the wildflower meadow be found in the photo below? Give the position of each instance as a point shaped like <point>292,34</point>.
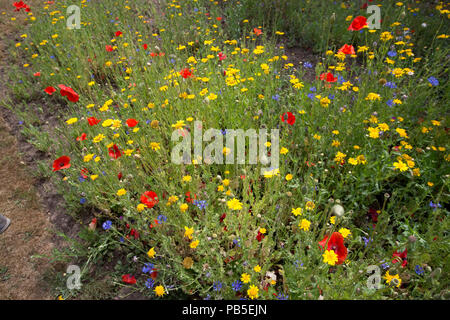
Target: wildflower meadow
<point>225,149</point>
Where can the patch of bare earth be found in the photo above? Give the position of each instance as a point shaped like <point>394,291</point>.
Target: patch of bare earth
<point>21,275</point>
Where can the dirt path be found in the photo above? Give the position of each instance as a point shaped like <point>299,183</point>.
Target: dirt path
<point>21,275</point>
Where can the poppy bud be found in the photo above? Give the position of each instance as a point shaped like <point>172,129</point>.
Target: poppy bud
<point>337,210</point>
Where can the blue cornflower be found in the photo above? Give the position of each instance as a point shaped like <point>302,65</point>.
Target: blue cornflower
<point>282,296</point>
<point>390,85</point>
<point>307,64</point>
<point>311,96</point>
<point>392,53</point>
<point>419,270</point>
<point>312,89</point>
<point>433,81</point>
<point>298,263</point>
<point>148,267</point>
<point>236,285</point>
<point>201,204</point>
<point>385,266</point>
<point>83,200</point>
<point>107,225</point>
<point>435,205</point>
<point>149,283</point>
<point>162,218</point>
<point>81,179</point>
<point>366,240</point>
<point>390,102</point>
<point>217,286</point>
<point>276,97</point>
<point>236,242</point>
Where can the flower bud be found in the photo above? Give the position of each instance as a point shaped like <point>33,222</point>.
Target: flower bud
<point>337,210</point>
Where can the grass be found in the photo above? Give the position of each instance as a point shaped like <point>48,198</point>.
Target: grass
<point>373,142</point>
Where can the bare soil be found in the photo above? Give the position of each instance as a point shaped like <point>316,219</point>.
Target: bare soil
<point>32,204</point>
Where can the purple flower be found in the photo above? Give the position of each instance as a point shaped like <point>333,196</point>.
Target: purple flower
<point>433,81</point>
<point>236,285</point>
<point>107,225</point>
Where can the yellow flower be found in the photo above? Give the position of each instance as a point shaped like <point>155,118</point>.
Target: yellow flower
<point>88,157</point>
<point>288,177</point>
<point>330,257</point>
<point>245,278</point>
<point>159,290</point>
<point>155,146</point>
<point>345,232</point>
<point>297,211</point>
<point>373,96</point>
<point>333,219</point>
<point>188,232</point>
<point>400,165</point>
<point>121,192</point>
<point>140,207</point>
<point>187,178</point>
<point>194,244</point>
<point>226,182</point>
<point>394,279</point>
<point>401,132</point>
<point>98,138</point>
<point>72,120</point>
<point>180,124</point>
<point>257,268</point>
<point>151,253</point>
<point>183,207</point>
<point>304,224</point>
<point>310,205</point>
<point>234,204</point>
<point>284,150</point>
<point>253,292</point>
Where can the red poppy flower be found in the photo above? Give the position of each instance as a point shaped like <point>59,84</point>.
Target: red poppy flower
<point>219,18</point>
<point>37,74</point>
<point>400,256</point>
<point>19,5</point>
<point>149,198</point>
<point>132,123</point>
<point>128,279</point>
<point>49,90</point>
<point>118,33</point>
<point>109,48</point>
<point>93,121</point>
<point>328,77</point>
<point>290,118</point>
<point>68,91</point>
<point>186,73</point>
<point>82,137</point>
<point>188,197</point>
<point>222,217</point>
<point>114,152</point>
<point>336,243</point>
<point>347,49</point>
<point>222,56</point>
<point>260,236</point>
<point>61,163</point>
<point>257,31</point>
<point>119,176</point>
<point>358,23</point>
<point>134,233</point>
<point>84,172</point>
